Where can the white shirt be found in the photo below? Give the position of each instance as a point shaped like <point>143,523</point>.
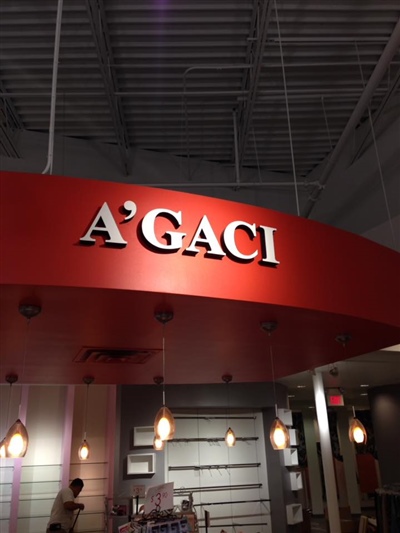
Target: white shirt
<point>58,512</point>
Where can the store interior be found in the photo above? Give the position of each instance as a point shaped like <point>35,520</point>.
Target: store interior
<point>268,109</point>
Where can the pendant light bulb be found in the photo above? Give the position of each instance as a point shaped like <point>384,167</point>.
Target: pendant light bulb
<point>84,450</point>
<point>16,441</point>
<point>164,424</point>
<point>279,435</point>
<point>230,438</point>
<point>357,432</point>
<point>158,444</point>
<point>3,449</point>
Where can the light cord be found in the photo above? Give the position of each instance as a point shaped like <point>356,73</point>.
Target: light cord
<point>326,123</point>
<point>287,111</point>
<point>9,406</point>
<point>256,151</point>
<point>163,368</point>
<point>86,409</point>
<point>273,375</point>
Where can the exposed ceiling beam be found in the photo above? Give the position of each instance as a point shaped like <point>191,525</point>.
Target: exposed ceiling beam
<point>13,119</point>
<point>385,100</point>
<point>98,24</point>
<point>380,69</point>
<point>9,122</point>
<point>255,53</point>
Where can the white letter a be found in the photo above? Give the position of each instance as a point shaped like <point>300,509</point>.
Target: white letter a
<point>109,227</point>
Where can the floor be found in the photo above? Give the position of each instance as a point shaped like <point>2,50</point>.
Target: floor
<point>318,525</point>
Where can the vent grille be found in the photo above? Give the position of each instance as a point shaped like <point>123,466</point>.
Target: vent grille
<point>133,356</point>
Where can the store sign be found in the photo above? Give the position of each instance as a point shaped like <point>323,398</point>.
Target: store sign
<point>173,240</point>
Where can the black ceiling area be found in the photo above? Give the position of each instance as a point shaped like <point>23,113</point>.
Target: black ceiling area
<point>274,85</point>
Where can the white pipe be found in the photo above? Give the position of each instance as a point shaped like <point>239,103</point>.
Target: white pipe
<point>326,453</point>
<point>50,152</point>
<point>373,82</point>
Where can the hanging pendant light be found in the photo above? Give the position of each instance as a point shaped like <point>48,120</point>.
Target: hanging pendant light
<point>3,448</point>
<point>278,433</point>
<point>10,378</point>
<point>357,432</point>
<point>15,443</point>
<point>164,423</point>
<point>230,437</point>
<point>84,448</point>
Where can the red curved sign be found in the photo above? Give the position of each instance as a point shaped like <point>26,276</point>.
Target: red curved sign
<point>178,243</point>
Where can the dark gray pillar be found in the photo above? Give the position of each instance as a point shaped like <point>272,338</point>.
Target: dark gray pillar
<point>385,411</point>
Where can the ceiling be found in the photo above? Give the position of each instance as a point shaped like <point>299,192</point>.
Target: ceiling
<point>262,88</point>
<point>171,76</point>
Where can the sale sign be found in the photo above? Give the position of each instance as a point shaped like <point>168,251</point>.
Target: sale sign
<point>159,498</point>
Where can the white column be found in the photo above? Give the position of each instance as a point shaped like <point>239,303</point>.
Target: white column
<point>326,452</point>
<point>67,436</point>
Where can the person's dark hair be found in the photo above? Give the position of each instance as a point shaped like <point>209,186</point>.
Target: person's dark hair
<point>77,482</point>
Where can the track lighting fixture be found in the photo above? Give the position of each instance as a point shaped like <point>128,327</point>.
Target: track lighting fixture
<point>278,433</point>
<point>164,423</point>
<point>84,448</point>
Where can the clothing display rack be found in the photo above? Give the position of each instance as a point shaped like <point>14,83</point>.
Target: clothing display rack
<point>387,503</point>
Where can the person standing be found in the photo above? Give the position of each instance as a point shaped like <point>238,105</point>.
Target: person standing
<point>62,511</point>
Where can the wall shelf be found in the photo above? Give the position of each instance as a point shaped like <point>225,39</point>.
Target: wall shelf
<point>296,480</point>
<point>143,463</point>
<point>293,437</point>
<point>290,457</point>
<point>294,513</point>
<point>143,436</point>
<point>286,416</point>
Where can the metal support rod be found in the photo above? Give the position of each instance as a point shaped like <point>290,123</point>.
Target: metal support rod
<point>50,152</point>
<point>263,95</point>
<point>188,490</point>
<point>231,502</point>
<point>214,467</point>
<point>183,417</point>
<point>217,439</point>
<point>326,452</point>
<point>235,524</point>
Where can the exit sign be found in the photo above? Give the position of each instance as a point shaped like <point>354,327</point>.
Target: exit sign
<point>334,398</point>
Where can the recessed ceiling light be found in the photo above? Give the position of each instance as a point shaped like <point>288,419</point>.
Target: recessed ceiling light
<point>364,394</point>
<point>364,385</point>
<point>311,406</point>
<point>301,386</point>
